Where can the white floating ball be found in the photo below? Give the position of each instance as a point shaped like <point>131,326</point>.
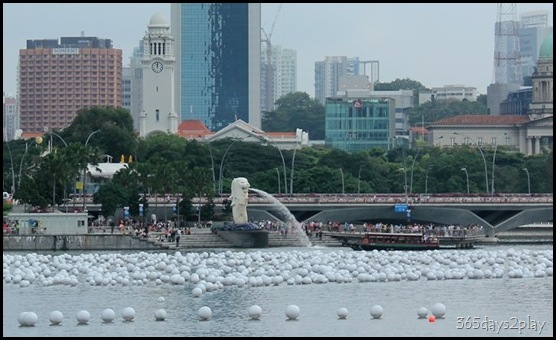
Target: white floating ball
<point>56,317</point>
<point>204,313</point>
<point>21,318</point>
<point>292,312</point>
<point>30,319</point>
<point>83,317</point>
<point>422,312</point>
<point>160,314</point>
<point>160,299</point>
<point>108,315</point>
<point>27,319</point>
<point>128,313</point>
<point>376,311</point>
<point>438,310</point>
<point>197,292</point>
<point>342,313</point>
<point>254,312</point>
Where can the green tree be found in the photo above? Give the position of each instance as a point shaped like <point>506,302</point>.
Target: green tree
<point>111,197</point>
<point>116,136</point>
<point>403,84</point>
<point>296,111</point>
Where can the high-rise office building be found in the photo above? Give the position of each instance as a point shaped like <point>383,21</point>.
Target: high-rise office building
<point>328,73</point>
<point>56,79</point>
<point>126,88</point>
<point>218,54</point>
<point>284,64</point>
<point>136,75</point>
<point>533,28</point>
<point>9,116</point>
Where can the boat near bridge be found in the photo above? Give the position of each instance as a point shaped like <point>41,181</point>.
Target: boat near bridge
<point>406,240</point>
<point>392,241</point>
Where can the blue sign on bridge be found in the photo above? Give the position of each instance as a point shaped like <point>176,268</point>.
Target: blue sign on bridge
<point>401,208</point>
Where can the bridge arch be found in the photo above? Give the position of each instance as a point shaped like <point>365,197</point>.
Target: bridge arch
<point>526,217</point>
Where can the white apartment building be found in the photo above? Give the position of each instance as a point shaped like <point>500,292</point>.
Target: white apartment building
<point>446,92</point>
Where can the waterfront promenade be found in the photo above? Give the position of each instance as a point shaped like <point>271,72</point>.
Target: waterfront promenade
<point>204,238</point>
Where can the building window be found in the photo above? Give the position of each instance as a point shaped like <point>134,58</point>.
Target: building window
<point>157,115</point>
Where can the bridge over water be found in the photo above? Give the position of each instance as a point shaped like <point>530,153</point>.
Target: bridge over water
<point>498,213</point>
<point>495,214</point>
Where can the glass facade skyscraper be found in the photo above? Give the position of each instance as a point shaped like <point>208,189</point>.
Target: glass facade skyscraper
<point>218,62</point>
<point>359,124</point>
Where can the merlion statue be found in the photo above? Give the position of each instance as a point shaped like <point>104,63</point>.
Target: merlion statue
<point>240,197</point>
<point>242,233</point>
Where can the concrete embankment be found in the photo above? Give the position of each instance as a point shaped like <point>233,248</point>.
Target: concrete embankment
<point>75,242</point>
<point>203,238</point>
<point>200,238</point>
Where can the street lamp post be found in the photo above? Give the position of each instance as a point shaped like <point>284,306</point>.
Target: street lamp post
<point>343,187</point>
<point>484,160</point>
<point>278,175</point>
<point>492,180</point>
<point>528,180</point>
<point>359,180</point>
<point>85,173</point>
<point>493,158</point>
<point>51,147</point>
<point>281,155</point>
<point>222,163</point>
<point>413,167</point>
<point>212,166</point>
<point>212,170</point>
<point>21,165</point>
<point>57,135</point>
<point>427,180</point>
<point>12,164</point>
<point>291,175</point>
<point>405,183</point>
<point>466,177</point>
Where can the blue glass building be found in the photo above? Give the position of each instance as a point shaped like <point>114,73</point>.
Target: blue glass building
<point>359,124</point>
<point>218,54</point>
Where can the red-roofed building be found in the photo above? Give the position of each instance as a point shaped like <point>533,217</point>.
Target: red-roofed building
<point>195,129</point>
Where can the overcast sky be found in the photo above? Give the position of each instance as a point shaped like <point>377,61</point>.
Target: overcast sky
<point>435,44</point>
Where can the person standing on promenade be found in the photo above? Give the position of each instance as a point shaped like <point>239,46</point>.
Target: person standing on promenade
<point>178,235</point>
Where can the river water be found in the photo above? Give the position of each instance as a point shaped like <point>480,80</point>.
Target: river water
<point>502,306</point>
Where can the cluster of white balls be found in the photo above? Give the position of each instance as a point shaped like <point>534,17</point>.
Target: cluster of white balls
<point>83,316</point>
<point>263,268</point>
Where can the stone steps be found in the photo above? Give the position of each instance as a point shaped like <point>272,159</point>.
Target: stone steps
<point>203,238</point>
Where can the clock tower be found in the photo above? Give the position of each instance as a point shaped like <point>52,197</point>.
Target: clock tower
<point>158,63</point>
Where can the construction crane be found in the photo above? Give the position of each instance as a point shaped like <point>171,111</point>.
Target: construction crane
<point>269,68</point>
<point>507,56</point>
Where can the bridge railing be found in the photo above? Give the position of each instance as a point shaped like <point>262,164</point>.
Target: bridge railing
<point>354,199</point>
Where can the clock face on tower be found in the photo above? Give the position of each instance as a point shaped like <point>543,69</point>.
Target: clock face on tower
<point>157,67</point>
